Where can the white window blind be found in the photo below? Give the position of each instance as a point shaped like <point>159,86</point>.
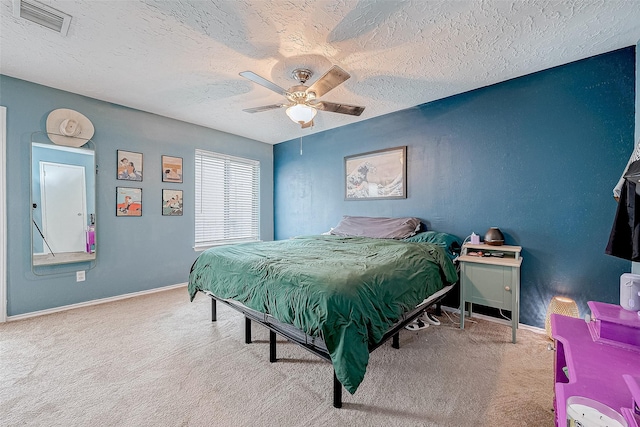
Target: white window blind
<point>227,199</point>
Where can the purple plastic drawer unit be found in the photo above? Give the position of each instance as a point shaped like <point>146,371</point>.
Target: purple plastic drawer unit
<point>615,326</point>
<point>598,361</point>
<point>632,413</point>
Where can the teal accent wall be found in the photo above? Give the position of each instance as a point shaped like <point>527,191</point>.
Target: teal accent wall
<point>536,156</point>
<point>635,266</point>
<point>134,254</point>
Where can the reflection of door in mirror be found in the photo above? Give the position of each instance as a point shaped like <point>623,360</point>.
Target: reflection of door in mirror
<point>63,204</point>
<point>62,189</point>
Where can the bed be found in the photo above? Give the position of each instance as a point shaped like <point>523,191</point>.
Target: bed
<point>338,296</point>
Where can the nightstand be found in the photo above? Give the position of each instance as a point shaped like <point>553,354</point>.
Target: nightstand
<point>491,280</point>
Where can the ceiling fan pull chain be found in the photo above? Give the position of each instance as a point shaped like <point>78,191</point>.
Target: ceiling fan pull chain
<point>301,146</point>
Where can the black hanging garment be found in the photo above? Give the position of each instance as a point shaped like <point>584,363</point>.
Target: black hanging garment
<point>624,240</point>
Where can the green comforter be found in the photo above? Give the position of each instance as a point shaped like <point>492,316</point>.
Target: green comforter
<point>347,290</point>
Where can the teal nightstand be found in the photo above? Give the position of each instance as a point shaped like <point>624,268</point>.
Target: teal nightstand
<point>491,281</point>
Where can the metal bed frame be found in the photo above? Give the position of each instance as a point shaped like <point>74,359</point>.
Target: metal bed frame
<point>315,344</point>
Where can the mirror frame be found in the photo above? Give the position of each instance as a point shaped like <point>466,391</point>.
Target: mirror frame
<point>72,260</point>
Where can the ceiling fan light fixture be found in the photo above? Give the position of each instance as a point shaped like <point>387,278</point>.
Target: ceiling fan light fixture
<point>301,113</point>
<point>302,101</point>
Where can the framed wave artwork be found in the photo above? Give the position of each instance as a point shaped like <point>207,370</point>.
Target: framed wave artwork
<point>376,175</point>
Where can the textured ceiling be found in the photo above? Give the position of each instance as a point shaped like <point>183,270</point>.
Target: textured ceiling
<point>181,59</point>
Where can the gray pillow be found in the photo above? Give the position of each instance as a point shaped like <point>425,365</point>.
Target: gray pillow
<point>383,228</point>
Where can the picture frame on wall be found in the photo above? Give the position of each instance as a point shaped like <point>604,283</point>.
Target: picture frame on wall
<point>172,202</point>
<point>172,169</point>
<point>128,201</point>
<point>375,175</point>
<point>129,165</point>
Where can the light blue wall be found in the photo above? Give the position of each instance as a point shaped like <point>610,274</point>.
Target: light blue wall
<point>134,254</point>
<point>537,156</point>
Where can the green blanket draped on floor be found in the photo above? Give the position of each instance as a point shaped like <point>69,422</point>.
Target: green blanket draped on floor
<point>347,290</point>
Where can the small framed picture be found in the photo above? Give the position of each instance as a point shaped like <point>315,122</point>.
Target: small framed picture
<point>171,169</point>
<point>129,165</point>
<point>171,202</point>
<point>128,201</point>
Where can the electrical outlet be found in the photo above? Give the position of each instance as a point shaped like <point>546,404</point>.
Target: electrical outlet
<point>80,276</point>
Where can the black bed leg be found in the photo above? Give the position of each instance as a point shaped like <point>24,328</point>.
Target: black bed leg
<point>272,347</point>
<point>214,314</point>
<point>337,392</point>
<point>439,309</point>
<point>396,340</point>
<point>247,330</point>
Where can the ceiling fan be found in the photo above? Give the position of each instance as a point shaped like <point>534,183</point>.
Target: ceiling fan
<point>303,100</point>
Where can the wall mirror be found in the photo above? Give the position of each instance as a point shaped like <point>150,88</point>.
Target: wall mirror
<point>63,213</point>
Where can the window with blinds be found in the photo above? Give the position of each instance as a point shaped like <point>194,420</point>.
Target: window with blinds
<point>227,199</point>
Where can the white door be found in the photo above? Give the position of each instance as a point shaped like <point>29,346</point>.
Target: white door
<point>64,208</point>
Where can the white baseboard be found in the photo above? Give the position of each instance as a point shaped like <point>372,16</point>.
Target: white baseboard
<point>92,302</point>
<point>180,285</point>
<point>497,320</point>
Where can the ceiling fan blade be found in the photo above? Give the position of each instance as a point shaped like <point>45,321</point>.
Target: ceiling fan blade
<point>353,110</point>
<point>263,82</point>
<point>331,79</point>
<point>263,108</point>
<point>308,124</point>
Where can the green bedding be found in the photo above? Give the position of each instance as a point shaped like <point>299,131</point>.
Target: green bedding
<point>347,290</point>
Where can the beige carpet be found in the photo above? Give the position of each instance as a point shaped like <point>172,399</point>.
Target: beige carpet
<point>157,360</point>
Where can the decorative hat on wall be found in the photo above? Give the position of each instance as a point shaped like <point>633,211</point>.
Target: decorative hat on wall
<point>68,127</point>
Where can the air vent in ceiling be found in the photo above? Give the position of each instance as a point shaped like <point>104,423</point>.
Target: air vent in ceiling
<point>42,14</point>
